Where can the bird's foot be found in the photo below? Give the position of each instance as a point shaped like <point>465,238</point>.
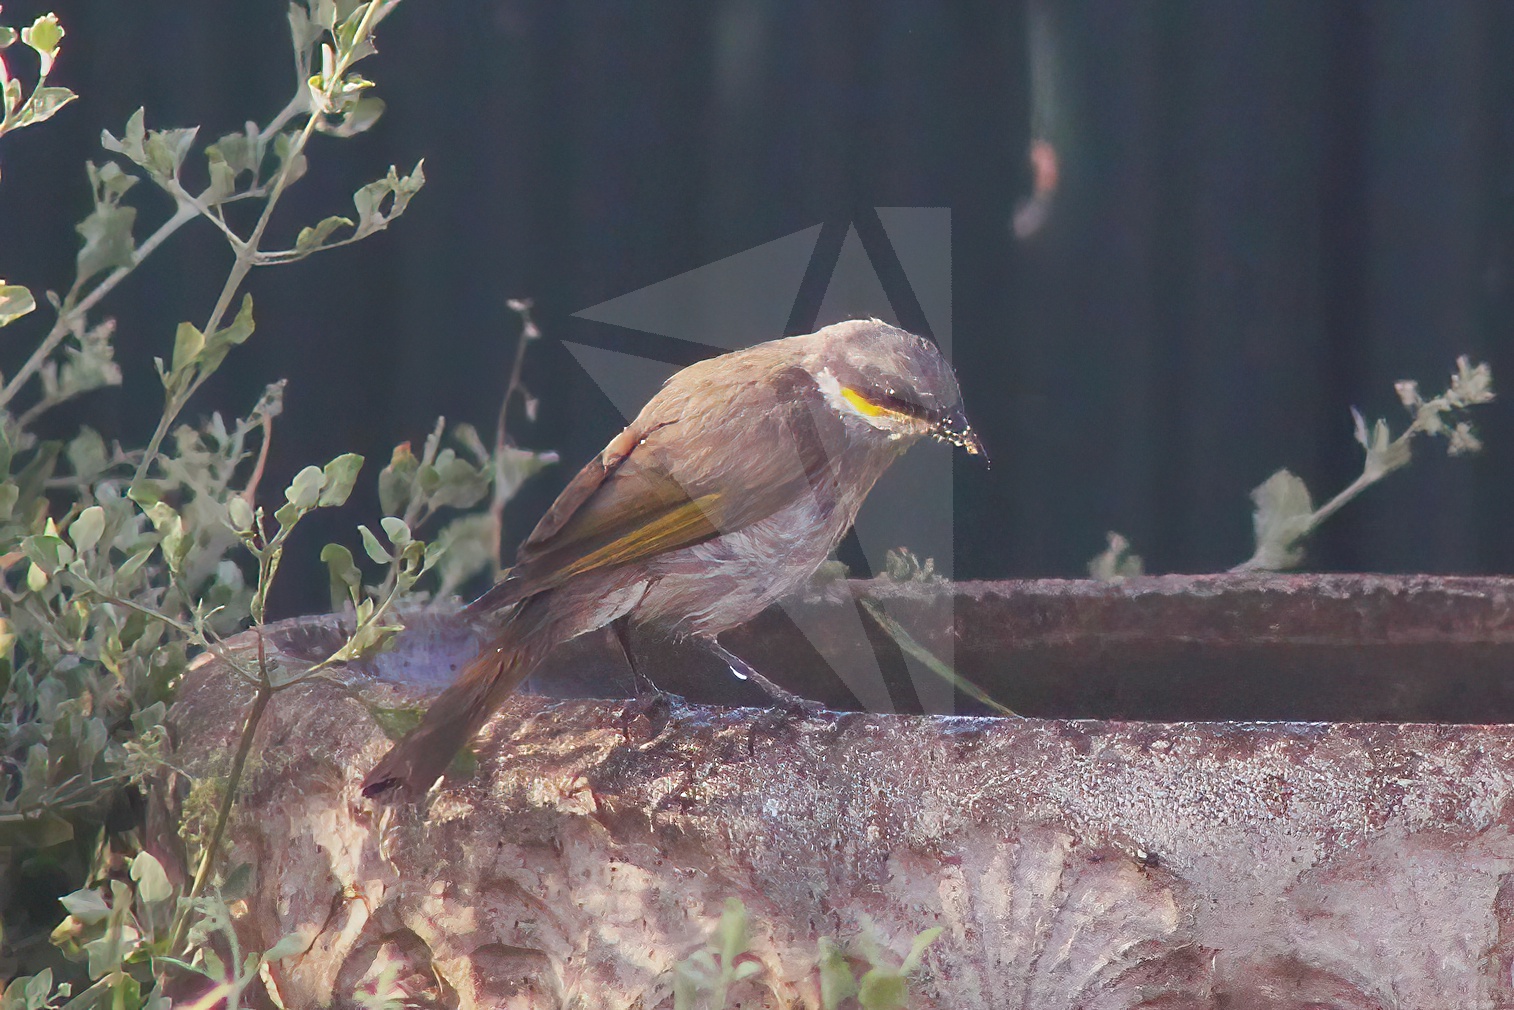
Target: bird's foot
<point>789,704</point>
<point>786,700</point>
<point>655,706</point>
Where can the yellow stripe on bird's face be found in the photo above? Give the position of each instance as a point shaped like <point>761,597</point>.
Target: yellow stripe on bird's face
<point>867,408</point>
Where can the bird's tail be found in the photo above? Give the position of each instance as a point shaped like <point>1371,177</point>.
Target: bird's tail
<point>415,763</point>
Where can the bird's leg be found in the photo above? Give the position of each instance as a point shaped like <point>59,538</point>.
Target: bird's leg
<point>622,631</point>
<point>649,701</point>
<point>741,668</point>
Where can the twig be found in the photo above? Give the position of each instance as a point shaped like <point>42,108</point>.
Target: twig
<point>73,313</point>
<point>250,492</point>
<point>64,325</point>
<point>1319,515</point>
<point>528,333</point>
<point>1282,525</point>
<point>247,252</point>
<point>907,642</point>
<point>501,494</point>
<point>260,702</point>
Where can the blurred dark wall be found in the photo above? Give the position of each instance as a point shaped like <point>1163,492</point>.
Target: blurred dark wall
<point>1267,211</point>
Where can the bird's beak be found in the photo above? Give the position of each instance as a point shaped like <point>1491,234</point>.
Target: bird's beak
<point>954,428</point>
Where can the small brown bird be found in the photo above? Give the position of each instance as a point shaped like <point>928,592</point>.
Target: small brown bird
<point>733,484</point>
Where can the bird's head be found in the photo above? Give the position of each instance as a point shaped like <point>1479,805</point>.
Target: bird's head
<point>892,382</point>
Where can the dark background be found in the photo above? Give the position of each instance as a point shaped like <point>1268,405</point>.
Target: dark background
<point>1267,212</point>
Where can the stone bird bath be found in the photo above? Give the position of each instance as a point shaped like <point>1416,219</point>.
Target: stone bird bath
<point>1229,791</point>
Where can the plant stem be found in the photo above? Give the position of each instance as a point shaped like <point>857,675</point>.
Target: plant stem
<point>1335,504</point>
<point>1365,480</point>
<point>247,253</point>
<point>249,493</point>
<point>336,657</point>
<point>71,313</point>
<point>223,815</point>
<point>241,265</point>
<point>500,496</point>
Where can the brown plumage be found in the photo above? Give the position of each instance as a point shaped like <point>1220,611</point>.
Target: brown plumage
<point>724,495</point>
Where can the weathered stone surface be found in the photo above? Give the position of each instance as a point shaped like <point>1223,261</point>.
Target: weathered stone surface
<point>1072,863</point>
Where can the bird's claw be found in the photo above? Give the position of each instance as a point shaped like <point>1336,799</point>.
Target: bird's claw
<point>656,707</point>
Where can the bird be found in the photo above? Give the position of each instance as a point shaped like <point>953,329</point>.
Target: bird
<point>728,490</point>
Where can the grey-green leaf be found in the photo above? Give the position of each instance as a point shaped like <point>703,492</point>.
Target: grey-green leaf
<point>85,530</point>
<point>732,930</point>
<point>88,906</point>
<point>346,579</point>
<point>917,948</point>
<point>883,989</point>
<point>338,478</point>
<point>396,530</point>
<point>294,943</point>
<point>107,239</point>
<point>15,302</point>
<point>188,344</point>
<point>152,882</point>
<point>311,239</point>
<point>836,979</point>
<point>371,544</point>
<point>131,141</point>
<point>239,513</point>
<point>165,151</point>
<point>47,101</point>
<point>305,490</point>
<point>1282,517</point>
<point>35,831</point>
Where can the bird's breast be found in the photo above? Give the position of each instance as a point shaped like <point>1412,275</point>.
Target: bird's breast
<point>716,585</point>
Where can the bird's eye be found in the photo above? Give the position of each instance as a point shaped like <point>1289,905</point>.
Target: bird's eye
<point>899,405</point>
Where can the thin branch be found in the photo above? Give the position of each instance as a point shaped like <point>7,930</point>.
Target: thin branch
<point>281,256</point>
<point>250,492</point>
<point>528,333</point>
<point>223,814</point>
<point>211,214</point>
<point>183,214</point>
<point>247,253</point>
<point>501,494</point>
<point>71,312</point>
<point>95,589</point>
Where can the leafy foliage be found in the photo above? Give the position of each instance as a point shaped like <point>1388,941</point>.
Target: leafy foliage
<point>119,565</point>
<point>1117,562</point>
<point>863,975</point>
<point>44,37</point>
<point>900,564</point>
<point>703,979</point>
<point>883,983</point>
<point>123,933</point>
<point>1285,515</point>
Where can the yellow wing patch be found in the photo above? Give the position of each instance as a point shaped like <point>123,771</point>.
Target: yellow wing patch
<point>678,527</point>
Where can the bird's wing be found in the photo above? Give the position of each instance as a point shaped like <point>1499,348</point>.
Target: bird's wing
<point>674,478</point>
